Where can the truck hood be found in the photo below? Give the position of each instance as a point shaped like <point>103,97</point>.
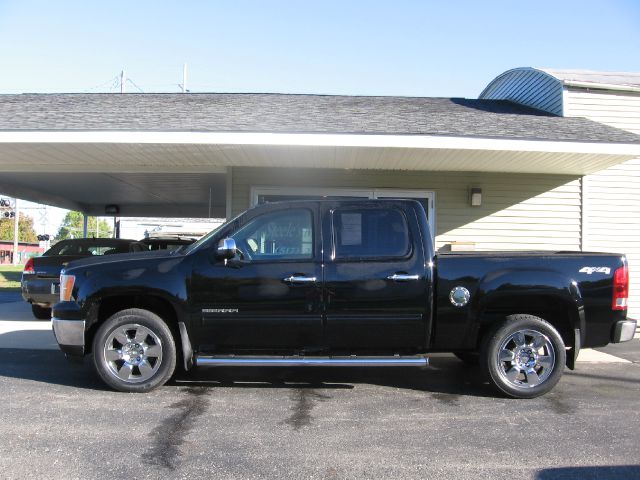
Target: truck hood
<point>50,266</point>
<point>119,258</point>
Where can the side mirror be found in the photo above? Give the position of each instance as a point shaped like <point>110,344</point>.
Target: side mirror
<point>226,248</point>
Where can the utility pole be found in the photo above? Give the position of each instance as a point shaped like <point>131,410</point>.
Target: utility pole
<point>16,231</point>
<point>184,78</point>
<point>123,81</point>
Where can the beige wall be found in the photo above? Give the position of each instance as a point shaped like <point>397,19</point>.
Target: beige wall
<point>612,219</point>
<point>518,212</point>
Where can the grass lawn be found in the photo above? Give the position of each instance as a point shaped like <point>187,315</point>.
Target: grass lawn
<point>10,277</point>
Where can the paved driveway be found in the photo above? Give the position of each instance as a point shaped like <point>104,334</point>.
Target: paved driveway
<point>58,421</point>
<point>10,296</point>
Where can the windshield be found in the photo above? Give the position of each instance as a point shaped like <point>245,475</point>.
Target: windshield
<point>187,249</point>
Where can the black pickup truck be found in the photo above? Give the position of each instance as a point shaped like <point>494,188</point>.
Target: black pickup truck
<point>339,283</point>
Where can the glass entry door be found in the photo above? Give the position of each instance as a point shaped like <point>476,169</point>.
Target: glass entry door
<point>427,199</point>
<point>275,194</point>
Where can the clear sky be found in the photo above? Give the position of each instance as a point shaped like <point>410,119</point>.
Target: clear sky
<point>424,48</point>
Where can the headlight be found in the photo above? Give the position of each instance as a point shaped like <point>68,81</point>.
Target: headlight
<point>66,286</point>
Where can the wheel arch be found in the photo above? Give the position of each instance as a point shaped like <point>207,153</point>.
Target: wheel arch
<point>541,293</point>
<point>104,307</point>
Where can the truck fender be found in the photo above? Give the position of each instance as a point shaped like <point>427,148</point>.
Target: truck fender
<point>535,283</point>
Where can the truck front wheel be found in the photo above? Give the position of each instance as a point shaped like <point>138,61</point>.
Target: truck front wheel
<point>134,351</point>
<point>524,357</point>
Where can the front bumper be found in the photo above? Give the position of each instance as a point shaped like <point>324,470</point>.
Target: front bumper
<point>624,330</point>
<point>69,335</point>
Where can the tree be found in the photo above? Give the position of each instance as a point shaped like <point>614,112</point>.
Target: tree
<point>26,233</point>
<point>72,224</point>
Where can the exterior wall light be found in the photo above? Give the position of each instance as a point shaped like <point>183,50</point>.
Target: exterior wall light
<point>475,196</point>
<point>111,209</point>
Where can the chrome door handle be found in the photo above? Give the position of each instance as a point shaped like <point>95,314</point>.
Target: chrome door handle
<point>299,279</point>
<point>403,277</point>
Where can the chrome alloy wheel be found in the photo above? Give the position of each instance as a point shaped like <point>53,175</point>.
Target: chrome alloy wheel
<point>133,353</point>
<point>526,358</point>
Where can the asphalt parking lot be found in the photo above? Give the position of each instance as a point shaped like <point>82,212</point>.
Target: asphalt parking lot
<point>58,421</point>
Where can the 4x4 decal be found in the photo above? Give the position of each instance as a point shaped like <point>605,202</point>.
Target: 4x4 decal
<point>590,270</point>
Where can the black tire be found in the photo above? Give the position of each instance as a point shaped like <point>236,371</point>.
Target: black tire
<point>469,358</point>
<point>41,313</point>
<point>524,366</point>
<point>134,351</point>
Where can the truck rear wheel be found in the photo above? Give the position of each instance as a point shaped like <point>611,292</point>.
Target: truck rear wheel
<point>134,351</point>
<point>524,357</point>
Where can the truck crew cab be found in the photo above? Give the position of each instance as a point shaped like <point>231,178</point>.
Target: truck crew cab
<point>339,283</point>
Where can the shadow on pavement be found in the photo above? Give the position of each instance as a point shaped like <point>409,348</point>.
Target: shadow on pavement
<point>627,350</point>
<point>17,311</point>
<point>48,366</point>
<point>446,375</point>
<point>29,339</point>
<point>612,378</point>
<point>621,472</point>
<point>10,296</point>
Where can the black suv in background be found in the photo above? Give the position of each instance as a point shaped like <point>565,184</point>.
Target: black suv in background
<point>41,275</point>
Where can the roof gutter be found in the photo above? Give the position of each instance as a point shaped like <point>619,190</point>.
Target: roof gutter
<point>319,140</point>
<point>601,86</point>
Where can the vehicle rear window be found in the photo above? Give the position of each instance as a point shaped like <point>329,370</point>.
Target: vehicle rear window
<point>82,248</point>
<point>370,233</point>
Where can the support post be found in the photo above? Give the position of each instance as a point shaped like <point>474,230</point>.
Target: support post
<point>16,232</point>
<point>229,193</point>
<point>85,225</point>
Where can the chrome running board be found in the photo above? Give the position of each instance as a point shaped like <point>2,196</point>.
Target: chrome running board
<point>298,361</point>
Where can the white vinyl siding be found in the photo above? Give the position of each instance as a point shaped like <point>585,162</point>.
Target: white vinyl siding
<point>518,212</point>
<point>612,219</point>
<point>616,109</point>
<point>612,196</point>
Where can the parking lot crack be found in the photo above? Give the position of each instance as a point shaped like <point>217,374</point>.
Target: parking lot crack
<point>170,434</point>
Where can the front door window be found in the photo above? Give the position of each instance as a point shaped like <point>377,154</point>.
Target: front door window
<point>282,235</point>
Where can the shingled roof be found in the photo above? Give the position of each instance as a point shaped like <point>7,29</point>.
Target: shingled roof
<point>284,113</point>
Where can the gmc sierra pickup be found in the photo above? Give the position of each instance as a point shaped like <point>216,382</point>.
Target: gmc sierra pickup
<point>339,283</point>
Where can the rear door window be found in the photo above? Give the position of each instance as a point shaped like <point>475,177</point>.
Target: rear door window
<point>365,233</point>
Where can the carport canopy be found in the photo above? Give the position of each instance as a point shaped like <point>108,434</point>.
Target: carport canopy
<point>172,155</point>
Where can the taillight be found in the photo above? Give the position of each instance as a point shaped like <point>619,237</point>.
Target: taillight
<point>620,288</point>
<point>28,267</point>
<point>66,287</point>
